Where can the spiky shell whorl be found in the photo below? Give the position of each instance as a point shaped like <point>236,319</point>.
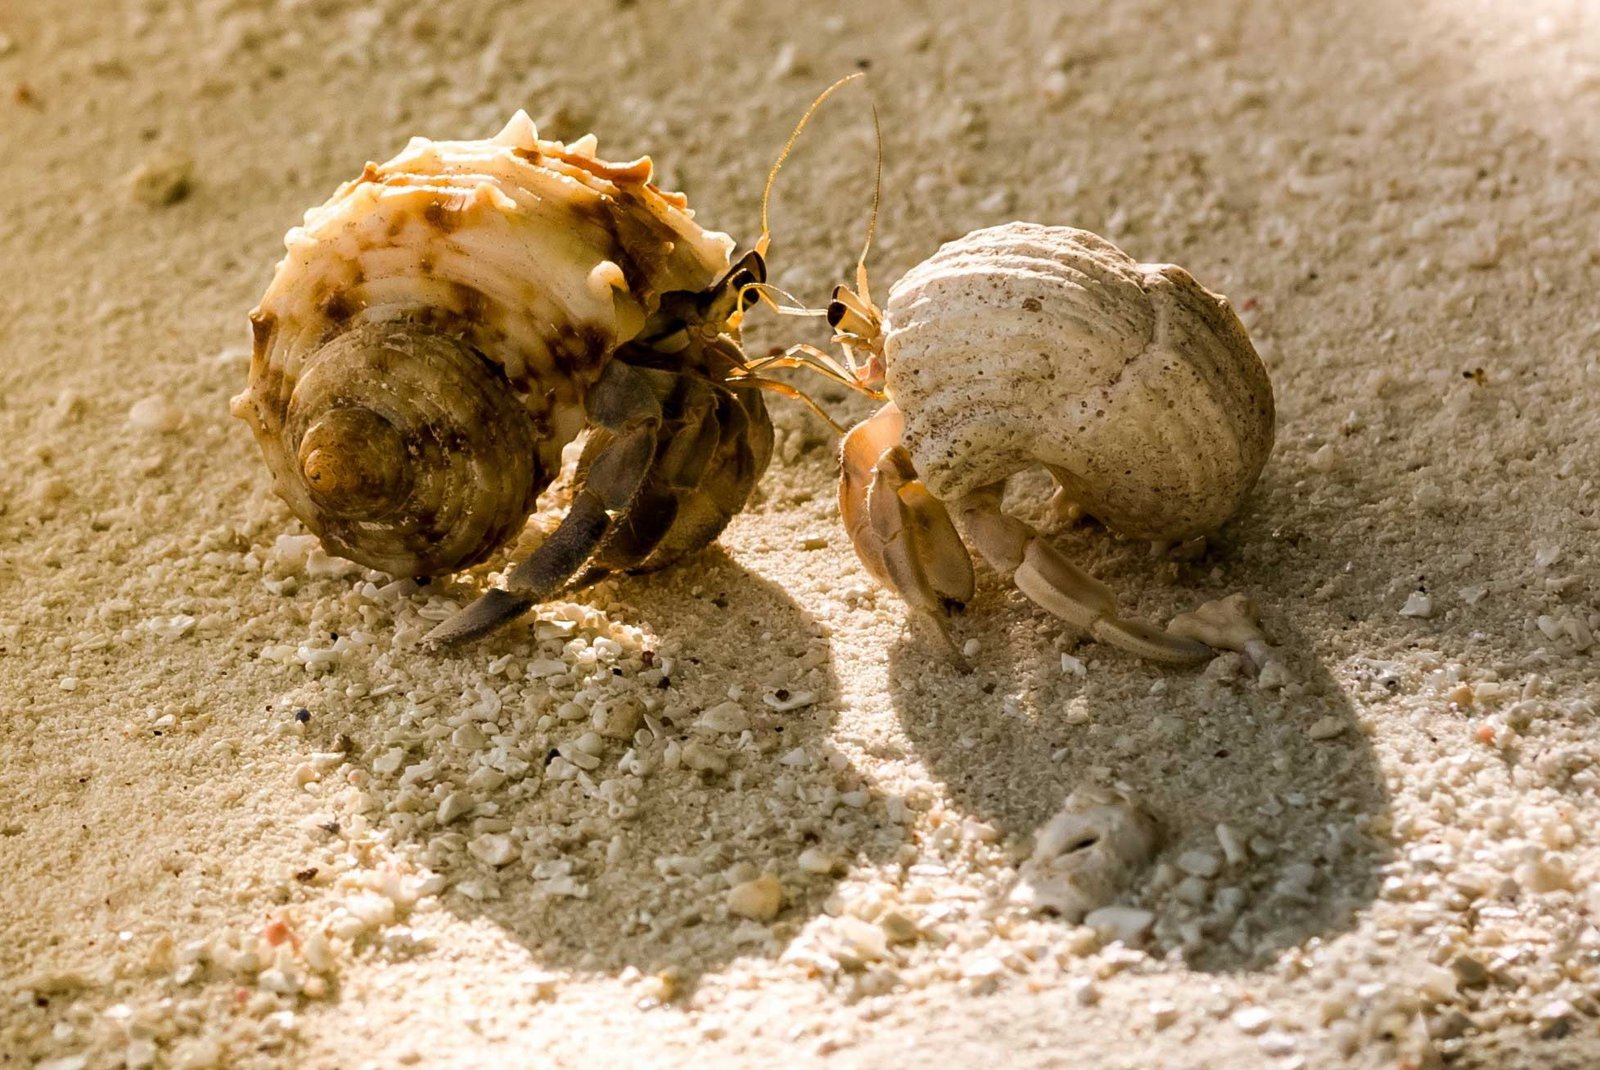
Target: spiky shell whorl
<point>509,269</point>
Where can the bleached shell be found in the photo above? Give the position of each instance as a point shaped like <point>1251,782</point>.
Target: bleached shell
<point>1024,344</point>
<point>1088,856</point>
<point>536,254</point>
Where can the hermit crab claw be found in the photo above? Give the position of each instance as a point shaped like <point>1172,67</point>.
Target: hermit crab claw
<point>903,534</point>
<point>907,540</point>
<point>623,404</point>
<point>670,457</point>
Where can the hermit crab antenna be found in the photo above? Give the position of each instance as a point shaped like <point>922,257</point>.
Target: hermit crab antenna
<point>872,220</point>
<point>788,146</point>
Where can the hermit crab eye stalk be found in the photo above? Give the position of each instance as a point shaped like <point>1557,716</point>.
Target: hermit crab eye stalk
<point>856,322</point>
<point>836,310</point>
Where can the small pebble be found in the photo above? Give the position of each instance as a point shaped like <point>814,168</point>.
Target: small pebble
<point>1274,675</point>
<point>704,759</point>
<point>898,928</point>
<point>1163,1013</point>
<point>1276,1042</point>
<point>196,1053</point>
<point>1555,1010</point>
<point>1200,863</point>
<point>1546,557</point>
<point>1418,604</point>
<point>1127,924</point>
<point>618,718</point>
<point>1468,970</point>
<point>784,700</point>
<point>1233,847</point>
<point>454,805</point>
<point>493,848</point>
<point>155,414</point>
<point>1325,727</point>
<point>758,900</point>
<point>166,178</point>
<point>1252,1020</point>
<point>860,940</point>
<point>1325,459</point>
<point>468,737</point>
<point>971,647</point>
<point>724,718</point>
<point>817,860</point>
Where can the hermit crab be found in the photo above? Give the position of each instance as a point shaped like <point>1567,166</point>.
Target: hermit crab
<point>447,322</point>
<point>1022,345</point>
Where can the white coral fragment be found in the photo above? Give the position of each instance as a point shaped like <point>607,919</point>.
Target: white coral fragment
<point>1087,857</point>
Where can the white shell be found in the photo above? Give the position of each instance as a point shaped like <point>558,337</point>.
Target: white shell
<point>1024,344</point>
<point>1088,856</point>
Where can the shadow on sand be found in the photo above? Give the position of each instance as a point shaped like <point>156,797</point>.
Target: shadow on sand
<point>1197,748</point>
<point>654,863</point>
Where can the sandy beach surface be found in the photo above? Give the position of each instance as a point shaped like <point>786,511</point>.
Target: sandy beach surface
<point>245,822</point>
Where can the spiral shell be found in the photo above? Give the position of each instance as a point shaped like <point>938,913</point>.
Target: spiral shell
<point>1024,344</point>
<point>422,353</point>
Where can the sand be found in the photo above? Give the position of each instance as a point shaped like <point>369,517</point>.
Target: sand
<point>223,764</point>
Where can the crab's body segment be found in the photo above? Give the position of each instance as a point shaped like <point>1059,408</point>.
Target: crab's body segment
<point>1020,345</point>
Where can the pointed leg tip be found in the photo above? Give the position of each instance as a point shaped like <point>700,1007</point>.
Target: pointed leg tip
<point>490,611</point>
<point>952,649</point>
<point>1150,642</point>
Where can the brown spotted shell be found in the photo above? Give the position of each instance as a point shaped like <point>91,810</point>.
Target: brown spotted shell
<point>422,353</point>
<point>1025,344</point>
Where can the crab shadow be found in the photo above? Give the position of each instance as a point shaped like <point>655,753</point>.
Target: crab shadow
<point>1196,748</point>
<point>598,890</point>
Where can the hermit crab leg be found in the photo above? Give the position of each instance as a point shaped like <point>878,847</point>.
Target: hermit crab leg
<point>903,534</point>
<point>1044,574</point>
<point>801,355</point>
<point>623,403</point>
